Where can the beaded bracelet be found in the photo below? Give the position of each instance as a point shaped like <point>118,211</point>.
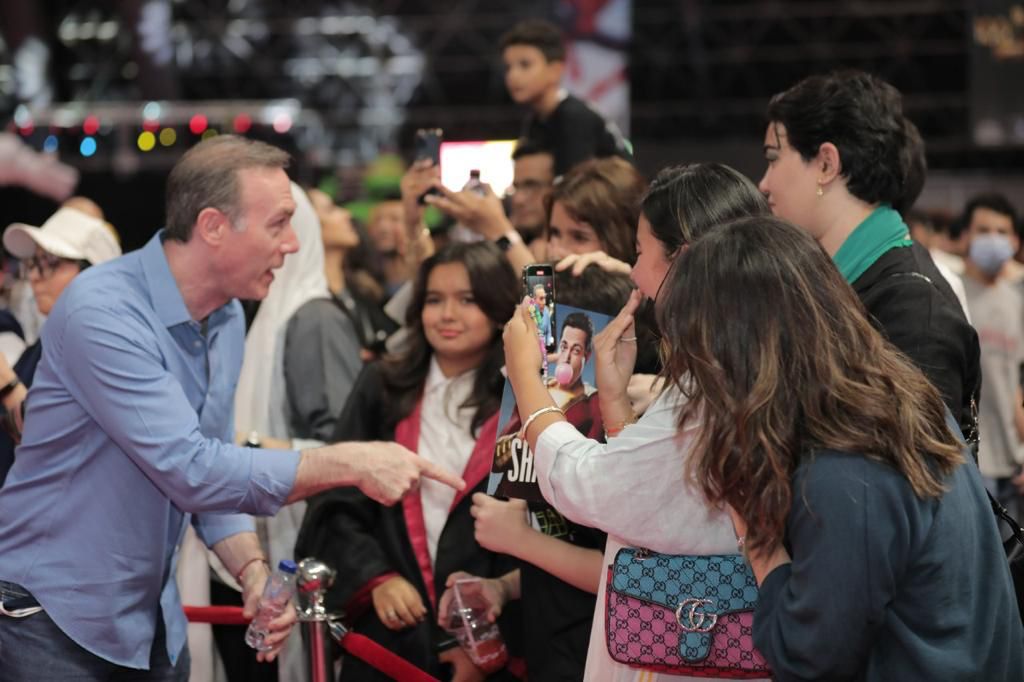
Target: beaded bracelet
<point>241,571</point>
<point>615,430</point>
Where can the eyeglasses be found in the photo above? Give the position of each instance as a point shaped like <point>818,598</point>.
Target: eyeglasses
<point>529,187</point>
<point>46,264</point>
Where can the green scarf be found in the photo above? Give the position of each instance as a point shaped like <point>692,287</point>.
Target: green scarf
<point>881,231</point>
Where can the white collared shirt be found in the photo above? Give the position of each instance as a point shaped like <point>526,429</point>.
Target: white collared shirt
<point>445,439</point>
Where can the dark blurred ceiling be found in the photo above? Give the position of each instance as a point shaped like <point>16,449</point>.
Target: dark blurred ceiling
<point>700,70</point>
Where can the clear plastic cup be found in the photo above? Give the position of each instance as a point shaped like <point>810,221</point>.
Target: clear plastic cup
<point>477,635</point>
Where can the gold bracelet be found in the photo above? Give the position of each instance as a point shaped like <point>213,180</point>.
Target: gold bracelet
<point>534,415</point>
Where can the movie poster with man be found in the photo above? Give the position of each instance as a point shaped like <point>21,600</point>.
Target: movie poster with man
<point>570,380</point>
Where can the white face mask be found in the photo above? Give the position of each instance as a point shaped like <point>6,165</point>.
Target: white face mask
<point>990,252</point>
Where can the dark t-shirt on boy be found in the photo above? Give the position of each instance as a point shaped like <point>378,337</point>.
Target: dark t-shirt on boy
<point>575,132</point>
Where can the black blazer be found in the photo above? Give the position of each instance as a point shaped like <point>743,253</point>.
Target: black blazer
<point>923,318</point>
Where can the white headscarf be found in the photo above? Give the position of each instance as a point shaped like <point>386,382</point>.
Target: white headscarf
<point>260,401</point>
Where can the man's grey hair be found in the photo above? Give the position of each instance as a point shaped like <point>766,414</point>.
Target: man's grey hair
<point>207,177</point>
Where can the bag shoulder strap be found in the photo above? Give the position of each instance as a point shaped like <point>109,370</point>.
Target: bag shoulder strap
<point>1001,512</point>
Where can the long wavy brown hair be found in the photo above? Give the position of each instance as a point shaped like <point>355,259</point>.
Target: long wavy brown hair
<point>776,355</point>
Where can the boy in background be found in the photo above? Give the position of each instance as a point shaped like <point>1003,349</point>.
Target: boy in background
<point>534,58</point>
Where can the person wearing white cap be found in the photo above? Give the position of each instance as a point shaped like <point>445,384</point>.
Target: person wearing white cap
<point>58,250</point>
<point>51,256</point>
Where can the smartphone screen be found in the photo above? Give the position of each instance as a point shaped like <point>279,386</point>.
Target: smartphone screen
<point>428,144</point>
<point>539,285</point>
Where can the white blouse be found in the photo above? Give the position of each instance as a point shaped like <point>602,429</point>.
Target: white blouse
<point>634,488</point>
<point>445,439</point>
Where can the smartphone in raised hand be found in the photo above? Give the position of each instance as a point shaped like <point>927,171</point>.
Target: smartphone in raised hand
<point>428,146</point>
<point>539,287</point>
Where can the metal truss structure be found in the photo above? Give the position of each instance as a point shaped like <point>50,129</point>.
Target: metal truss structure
<point>374,70</point>
<point>371,72</point>
<point>708,68</point>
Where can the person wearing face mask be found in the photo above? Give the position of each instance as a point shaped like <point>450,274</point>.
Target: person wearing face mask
<point>997,310</point>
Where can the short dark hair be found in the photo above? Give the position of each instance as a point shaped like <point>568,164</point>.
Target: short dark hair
<point>594,289</point>
<point>207,177</point>
<point>584,324</point>
<point>916,164</point>
<point>526,146</point>
<point>993,201</point>
<point>685,202</point>
<point>537,33</point>
<point>862,116</point>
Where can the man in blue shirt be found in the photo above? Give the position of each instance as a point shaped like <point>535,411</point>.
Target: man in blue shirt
<point>128,433</point>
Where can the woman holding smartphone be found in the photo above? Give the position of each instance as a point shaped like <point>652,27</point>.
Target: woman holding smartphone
<point>438,396</point>
<point>633,487</point>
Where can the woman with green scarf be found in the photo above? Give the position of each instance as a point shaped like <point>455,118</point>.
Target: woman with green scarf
<point>843,161</point>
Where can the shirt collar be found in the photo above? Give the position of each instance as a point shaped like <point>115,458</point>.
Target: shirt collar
<point>163,288</point>
<point>436,380</point>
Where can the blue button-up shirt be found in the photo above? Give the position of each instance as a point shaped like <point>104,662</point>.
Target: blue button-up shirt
<point>128,432</point>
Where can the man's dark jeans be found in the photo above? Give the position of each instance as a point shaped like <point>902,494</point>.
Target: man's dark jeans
<point>34,648</point>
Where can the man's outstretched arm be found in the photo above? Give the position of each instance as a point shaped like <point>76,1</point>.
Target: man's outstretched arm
<point>383,471</point>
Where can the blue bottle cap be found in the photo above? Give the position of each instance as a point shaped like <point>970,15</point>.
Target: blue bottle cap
<point>287,566</point>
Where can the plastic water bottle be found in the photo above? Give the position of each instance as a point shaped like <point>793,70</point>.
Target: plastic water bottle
<point>474,184</point>
<point>460,232</point>
<point>278,591</point>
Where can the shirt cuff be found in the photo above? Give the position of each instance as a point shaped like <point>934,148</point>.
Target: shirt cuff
<point>212,528</point>
<point>550,441</point>
<point>273,477</point>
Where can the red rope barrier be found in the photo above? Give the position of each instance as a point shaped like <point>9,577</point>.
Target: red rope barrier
<point>383,660</point>
<point>216,615</point>
<point>358,645</point>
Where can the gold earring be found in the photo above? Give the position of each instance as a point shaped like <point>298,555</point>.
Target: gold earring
<point>820,191</point>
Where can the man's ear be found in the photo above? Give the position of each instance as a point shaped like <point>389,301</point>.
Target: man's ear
<point>828,163</point>
<point>212,225</point>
